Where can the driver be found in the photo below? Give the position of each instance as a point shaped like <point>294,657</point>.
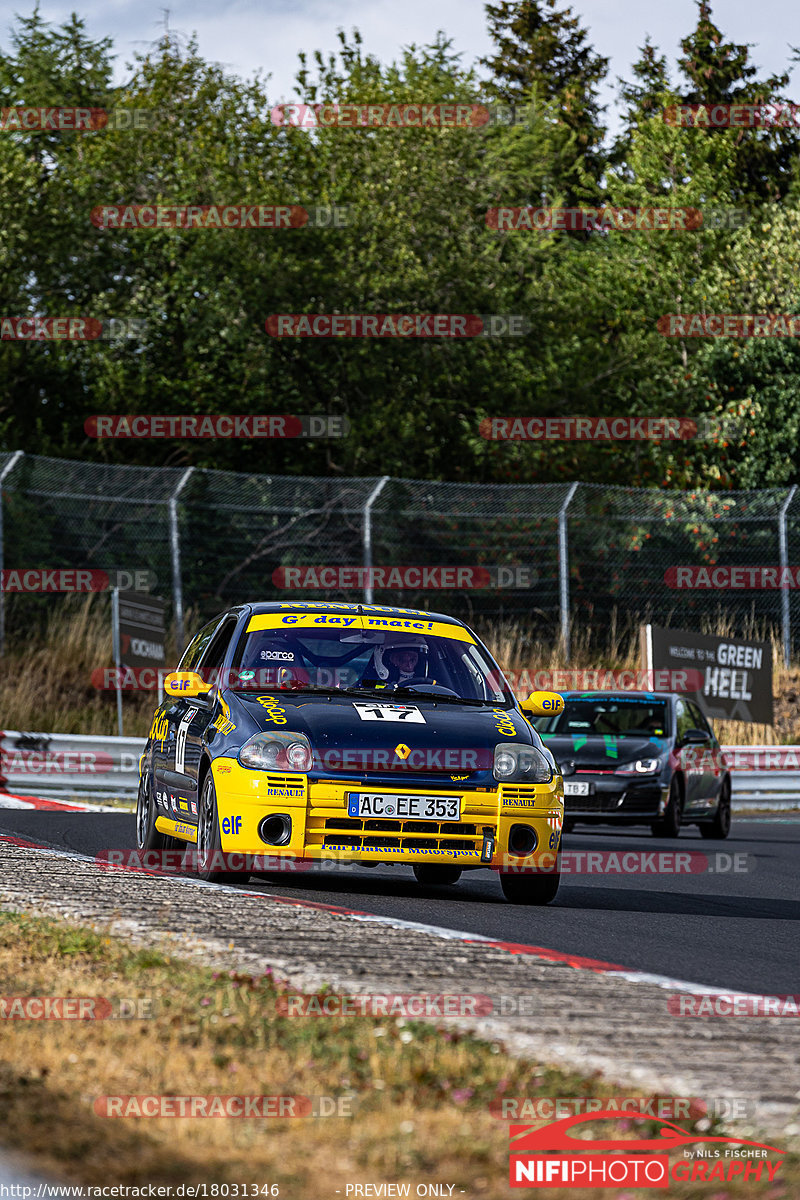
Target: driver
<point>398,662</point>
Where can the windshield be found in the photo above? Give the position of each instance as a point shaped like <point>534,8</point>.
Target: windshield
<point>596,718</point>
<point>447,664</point>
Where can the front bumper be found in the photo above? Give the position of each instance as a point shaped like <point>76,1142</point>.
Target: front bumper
<point>322,830</point>
<point>615,798</point>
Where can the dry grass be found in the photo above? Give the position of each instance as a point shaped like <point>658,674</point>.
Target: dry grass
<point>46,677</point>
<point>515,648</point>
<point>45,682</point>
<point>419,1096</point>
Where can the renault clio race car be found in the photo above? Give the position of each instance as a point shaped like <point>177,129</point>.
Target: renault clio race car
<point>351,733</point>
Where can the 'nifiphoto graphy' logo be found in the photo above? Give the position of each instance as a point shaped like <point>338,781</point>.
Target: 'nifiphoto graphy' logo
<point>557,1156</point>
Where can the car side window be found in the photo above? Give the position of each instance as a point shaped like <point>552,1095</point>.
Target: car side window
<point>214,653</point>
<point>194,650</point>
<point>699,719</point>
<point>683,719</point>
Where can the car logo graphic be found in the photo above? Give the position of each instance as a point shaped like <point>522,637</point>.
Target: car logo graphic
<point>556,1135</point>
<point>402,751</point>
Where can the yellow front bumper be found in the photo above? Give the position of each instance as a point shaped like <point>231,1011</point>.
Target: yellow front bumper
<point>322,829</point>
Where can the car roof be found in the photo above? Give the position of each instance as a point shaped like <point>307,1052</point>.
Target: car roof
<point>620,695</point>
<point>336,606</point>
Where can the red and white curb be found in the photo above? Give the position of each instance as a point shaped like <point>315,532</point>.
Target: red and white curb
<point>39,804</point>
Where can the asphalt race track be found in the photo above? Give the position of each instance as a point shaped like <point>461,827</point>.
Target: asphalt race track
<point>721,928</point>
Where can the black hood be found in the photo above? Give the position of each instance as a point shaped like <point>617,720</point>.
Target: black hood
<point>604,753</point>
<point>337,723</point>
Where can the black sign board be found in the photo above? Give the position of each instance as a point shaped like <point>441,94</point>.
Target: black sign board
<point>736,683</point>
<point>141,630</point>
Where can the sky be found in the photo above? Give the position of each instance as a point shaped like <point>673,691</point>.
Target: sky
<point>250,35</point>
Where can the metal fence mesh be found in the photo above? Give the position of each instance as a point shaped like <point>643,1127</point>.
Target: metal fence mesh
<point>494,525</point>
<point>236,530</point>
<point>215,538</point>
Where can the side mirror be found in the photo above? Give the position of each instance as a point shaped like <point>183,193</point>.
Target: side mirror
<point>186,683</point>
<point>694,737</point>
<point>542,704</point>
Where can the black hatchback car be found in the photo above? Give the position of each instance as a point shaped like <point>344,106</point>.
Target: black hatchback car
<point>635,758</point>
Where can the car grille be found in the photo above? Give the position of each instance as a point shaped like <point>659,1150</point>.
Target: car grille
<point>359,834</point>
<point>374,823</point>
<point>596,803</point>
<point>523,791</point>
<point>327,825</point>
<point>297,782</point>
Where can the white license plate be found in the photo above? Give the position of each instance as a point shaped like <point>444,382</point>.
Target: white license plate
<point>415,808</point>
<point>576,789</point>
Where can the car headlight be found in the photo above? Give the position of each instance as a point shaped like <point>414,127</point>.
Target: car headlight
<point>642,766</point>
<point>515,762</point>
<point>277,751</point>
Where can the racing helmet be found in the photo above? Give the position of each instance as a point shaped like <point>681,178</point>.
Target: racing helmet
<point>398,641</point>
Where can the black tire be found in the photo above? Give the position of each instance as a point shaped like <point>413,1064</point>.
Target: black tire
<point>209,847</point>
<point>433,874</point>
<point>669,826</point>
<point>538,888</point>
<point>720,827</point>
<point>147,836</point>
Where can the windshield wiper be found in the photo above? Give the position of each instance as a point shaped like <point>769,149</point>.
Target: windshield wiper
<point>445,697</point>
<point>289,691</point>
<point>317,688</point>
<point>380,694</point>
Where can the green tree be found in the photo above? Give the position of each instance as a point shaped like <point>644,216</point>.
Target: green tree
<point>543,55</point>
<point>45,247</point>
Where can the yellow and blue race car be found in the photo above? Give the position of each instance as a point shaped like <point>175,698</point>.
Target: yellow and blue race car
<point>354,733</point>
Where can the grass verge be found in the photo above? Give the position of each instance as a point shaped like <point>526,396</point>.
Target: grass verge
<point>419,1096</point>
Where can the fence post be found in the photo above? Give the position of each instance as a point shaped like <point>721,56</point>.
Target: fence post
<point>783,547</point>
<point>367,535</point>
<point>563,570</point>
<point>175,549</point>
<point>117,656</point>
<point>5,471</point>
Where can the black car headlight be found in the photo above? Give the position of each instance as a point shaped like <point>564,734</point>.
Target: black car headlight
<point>277,751</point>
<point>514,762</point>
<point>641,766</point>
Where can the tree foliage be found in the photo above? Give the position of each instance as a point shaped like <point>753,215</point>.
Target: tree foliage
<point>417,241</point>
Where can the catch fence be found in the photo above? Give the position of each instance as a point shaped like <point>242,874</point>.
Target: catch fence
<point>550,556</point>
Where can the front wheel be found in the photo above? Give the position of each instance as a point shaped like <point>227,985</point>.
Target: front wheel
<point>720,827</point>
<point>147,836</point>
<point>669,826</point>
<point>210,860</point>
<point>430,874</point>
<point>538,888</point>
